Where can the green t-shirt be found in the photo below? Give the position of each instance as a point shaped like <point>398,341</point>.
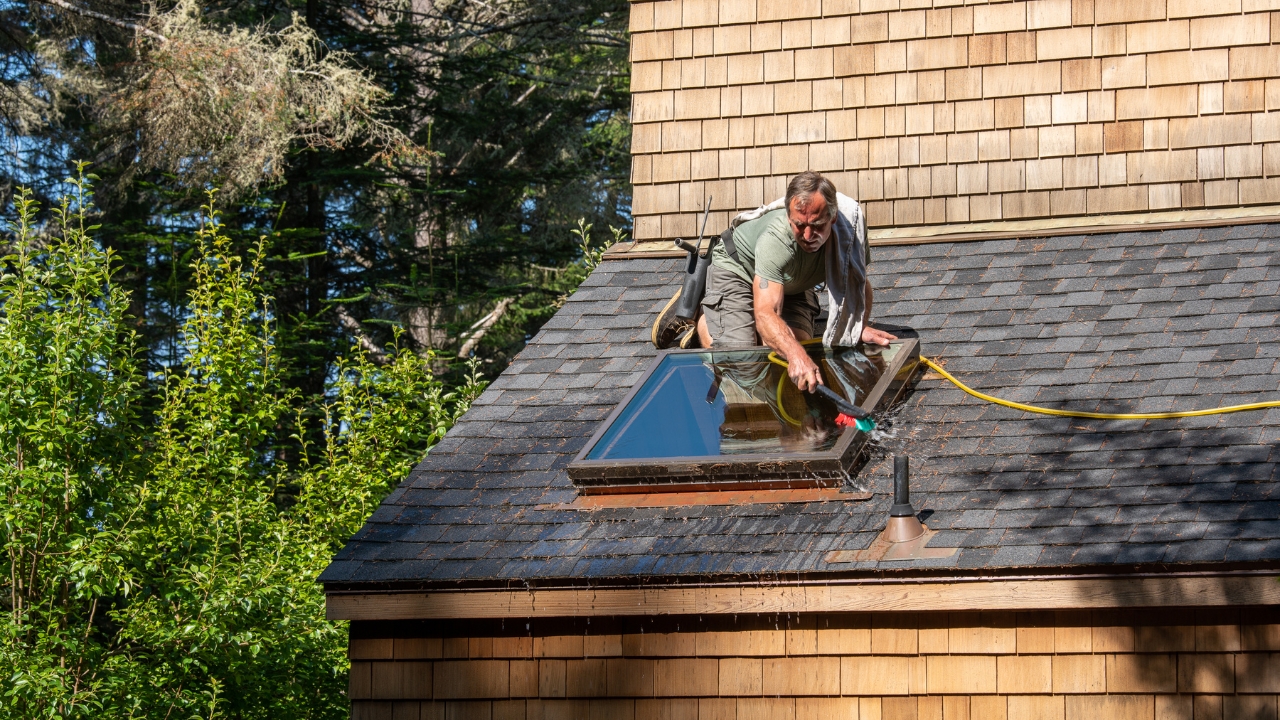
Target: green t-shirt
<point>767,248</point>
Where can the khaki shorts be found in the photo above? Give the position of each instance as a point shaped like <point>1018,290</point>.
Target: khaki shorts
<point>729,308</point>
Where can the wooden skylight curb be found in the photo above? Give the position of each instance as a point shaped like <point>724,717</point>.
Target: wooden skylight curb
<point>957,594</point>
<point>1010,229</point>
<point>710,497</point>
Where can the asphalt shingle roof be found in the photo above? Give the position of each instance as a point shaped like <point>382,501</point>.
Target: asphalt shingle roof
<point>1146,321</point>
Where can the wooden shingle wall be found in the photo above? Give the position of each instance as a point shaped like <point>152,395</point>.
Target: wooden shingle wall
<point>1219,664</point>
<point>947,111</point>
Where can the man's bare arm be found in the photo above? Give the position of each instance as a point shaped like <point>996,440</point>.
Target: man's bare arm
<point>767,301</point>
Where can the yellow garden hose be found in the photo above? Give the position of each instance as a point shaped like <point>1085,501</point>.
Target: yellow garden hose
<point>1095,415</point>
<point>782,408</point>
<point>773,357</point>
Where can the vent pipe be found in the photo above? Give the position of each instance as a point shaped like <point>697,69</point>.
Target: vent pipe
<point>903,523</point>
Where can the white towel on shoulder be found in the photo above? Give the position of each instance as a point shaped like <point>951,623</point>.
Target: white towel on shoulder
<point>846,269</point>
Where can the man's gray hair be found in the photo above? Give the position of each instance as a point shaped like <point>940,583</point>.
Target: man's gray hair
<point>807,183</point>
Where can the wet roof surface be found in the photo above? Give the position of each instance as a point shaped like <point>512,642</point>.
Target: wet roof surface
<point>1123,322</point>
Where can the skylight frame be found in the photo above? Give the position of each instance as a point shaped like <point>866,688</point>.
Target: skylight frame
<point>748,471</point>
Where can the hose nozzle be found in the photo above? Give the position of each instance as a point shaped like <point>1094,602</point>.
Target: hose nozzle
<point>850,415</point>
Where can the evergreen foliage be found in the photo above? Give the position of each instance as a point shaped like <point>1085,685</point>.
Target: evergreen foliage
<point>198,407</point>
<point>160,554</point>
<point>417,166</point>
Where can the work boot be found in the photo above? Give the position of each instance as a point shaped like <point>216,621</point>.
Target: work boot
<point>690,340</point>
<point>669,330</point>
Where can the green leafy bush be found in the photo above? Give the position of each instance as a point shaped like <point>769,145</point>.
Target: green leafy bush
<point>162,562</point>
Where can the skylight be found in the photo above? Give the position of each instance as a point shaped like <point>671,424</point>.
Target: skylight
<point>702,419</point>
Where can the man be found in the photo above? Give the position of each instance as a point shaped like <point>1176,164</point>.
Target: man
<point>767,291</point>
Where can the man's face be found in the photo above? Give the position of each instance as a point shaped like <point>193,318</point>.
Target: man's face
<point>810,222</point>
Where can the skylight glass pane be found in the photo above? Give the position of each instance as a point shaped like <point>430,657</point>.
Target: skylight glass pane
<point>709,404</point>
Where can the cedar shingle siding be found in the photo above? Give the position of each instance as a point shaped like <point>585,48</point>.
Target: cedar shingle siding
<point>945,112</point>
<point>927,666</point>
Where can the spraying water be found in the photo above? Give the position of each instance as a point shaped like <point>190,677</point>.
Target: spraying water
<point>891,436</point>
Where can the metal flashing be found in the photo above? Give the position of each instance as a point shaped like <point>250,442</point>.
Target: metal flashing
<point>885,550</point>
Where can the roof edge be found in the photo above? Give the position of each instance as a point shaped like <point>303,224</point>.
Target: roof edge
<point>882,594</point>
<point>1012,229</point>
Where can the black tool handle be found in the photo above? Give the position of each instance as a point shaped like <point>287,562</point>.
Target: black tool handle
<point>685,245</point>
<point>841,404</point>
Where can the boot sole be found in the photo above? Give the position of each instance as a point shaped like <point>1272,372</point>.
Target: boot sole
<point>666,312</point>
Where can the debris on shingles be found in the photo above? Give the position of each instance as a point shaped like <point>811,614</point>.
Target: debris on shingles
<point>1152,321</point>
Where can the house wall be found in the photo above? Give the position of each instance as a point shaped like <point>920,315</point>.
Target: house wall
<point>1142,665</point>
<point>950,112</point>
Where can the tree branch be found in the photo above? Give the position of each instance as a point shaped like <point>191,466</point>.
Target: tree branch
<point>86,12</point>
<point>487,322</point>
<point>377,354</point>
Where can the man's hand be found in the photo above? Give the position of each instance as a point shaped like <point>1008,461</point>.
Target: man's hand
<point>872,336</point>
<point>804,372</point>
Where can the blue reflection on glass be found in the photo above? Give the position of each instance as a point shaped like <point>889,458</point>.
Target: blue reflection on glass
<point>669,416</point>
